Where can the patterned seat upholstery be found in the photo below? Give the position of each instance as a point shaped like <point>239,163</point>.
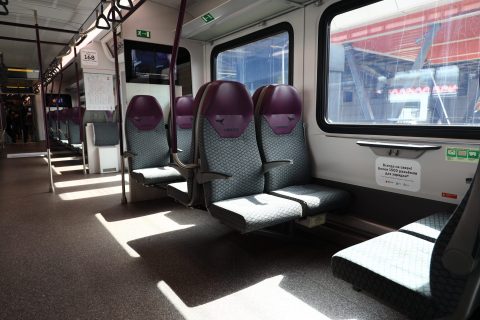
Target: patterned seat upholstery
<point>429,227</point>
<point>75,126</point>
<point>105,134</point>
<point>184,114</point>
<point>228,149</point>
<point>63,125</point>
<point>280,133</point>
<point>147,140</point>
<point>406,269</point>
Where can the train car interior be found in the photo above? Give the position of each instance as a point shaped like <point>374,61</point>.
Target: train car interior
<point>240,159</point>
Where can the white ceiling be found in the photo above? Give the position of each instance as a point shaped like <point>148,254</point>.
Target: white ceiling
<point>64,14</point>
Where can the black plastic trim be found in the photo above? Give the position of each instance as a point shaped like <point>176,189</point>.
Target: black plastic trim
<point>455,132</point>
<point>252,37</point>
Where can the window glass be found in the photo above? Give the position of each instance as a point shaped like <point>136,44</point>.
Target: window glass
<point>409,62</point>
<point>257,63</point>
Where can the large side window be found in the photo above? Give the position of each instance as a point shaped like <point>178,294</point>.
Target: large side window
<point>400,68</point>
<point>261,58</point>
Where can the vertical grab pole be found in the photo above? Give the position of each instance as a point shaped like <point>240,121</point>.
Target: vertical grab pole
<point>59,90</point>
<point>171,75</point>
<point>79,104</point>
<point>42,93</point>
<point>119,107</point>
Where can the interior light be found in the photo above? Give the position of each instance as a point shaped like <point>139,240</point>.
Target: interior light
<point>125,4</point>
<point>80,39</point>
<point>102,22</point>
<point>114,15</point>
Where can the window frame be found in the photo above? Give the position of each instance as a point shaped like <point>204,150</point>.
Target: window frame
<point>343,6</point>
<point>253,37</point>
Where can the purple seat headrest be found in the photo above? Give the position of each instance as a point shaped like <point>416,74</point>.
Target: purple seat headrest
<point>281,107</point>
<point>184,112</point>
<point>144,112</point>
<point>228,107</point>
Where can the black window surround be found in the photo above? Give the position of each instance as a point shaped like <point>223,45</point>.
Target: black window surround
<point>454,132</point>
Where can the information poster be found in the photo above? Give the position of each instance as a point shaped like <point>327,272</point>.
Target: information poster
<point>99,91</point>
<point>403,174</point>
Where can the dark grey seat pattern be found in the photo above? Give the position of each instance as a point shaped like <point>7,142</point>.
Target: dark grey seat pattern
<point>227,146</point>
<point>280,133</point>
<point>147,140</point>
<point>105,134</point>
<point>405,268</point>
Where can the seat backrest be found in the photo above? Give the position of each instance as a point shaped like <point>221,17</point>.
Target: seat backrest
<point>280,133</point>
<point>105,134</point>
<point>226,140</point>
<point>446,287</point>
<point>75,125</point>
<point>146,134</point>
<point>63,123</point>
<point>184,113</point>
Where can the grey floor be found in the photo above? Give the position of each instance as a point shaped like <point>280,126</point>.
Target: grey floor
<point>79,254</point>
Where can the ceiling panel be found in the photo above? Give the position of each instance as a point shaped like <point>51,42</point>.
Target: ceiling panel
<point>63,14</point>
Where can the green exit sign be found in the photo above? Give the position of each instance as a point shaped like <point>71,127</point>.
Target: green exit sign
<point>143,34</point>
<point>208,18</point>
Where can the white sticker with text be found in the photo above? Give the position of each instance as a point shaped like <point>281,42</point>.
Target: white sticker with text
<point>397,173</point>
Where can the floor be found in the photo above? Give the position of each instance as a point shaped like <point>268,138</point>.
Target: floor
<point>80,254</point>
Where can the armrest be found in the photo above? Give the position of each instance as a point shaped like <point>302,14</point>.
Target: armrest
<point>268,166</point>
<point>179,150</point>
<point>209,176</point>
<point>128,154</point>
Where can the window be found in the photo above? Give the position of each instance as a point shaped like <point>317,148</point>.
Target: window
<point>400,67</point>
<point>258,59</point>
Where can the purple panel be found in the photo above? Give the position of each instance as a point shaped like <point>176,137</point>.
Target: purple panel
<point>281,107</point>
<point>184,112</point>
<point>144,112</point>
<point>228,107</point>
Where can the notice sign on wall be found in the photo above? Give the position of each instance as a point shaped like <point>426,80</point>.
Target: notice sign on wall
<point>89,57</point>
<point>403,174</point>
<point>99,93</point>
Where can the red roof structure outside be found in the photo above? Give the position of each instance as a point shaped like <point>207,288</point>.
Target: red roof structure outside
<point>458,37</point>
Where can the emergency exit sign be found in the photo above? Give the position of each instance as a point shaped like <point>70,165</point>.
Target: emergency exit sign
<point>143,34</point>
<point>208,18</point>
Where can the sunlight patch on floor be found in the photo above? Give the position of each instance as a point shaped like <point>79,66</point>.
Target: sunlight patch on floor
<point>89,181</point>
<point>141,227</point>
<point>62,159</point>
<point>92,193</point>
<point>265,300</point>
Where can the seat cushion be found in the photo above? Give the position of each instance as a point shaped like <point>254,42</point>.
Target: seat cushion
<point>179,192</point>
<point>315,198</point>
<point>255,212</point>
<point>395,267</point>
<point>159,175</point>
<point>429,227</point>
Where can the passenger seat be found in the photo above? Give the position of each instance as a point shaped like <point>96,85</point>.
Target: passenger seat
<point>231,168</point>
<point>147,143</point>
<point>280,133</point>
